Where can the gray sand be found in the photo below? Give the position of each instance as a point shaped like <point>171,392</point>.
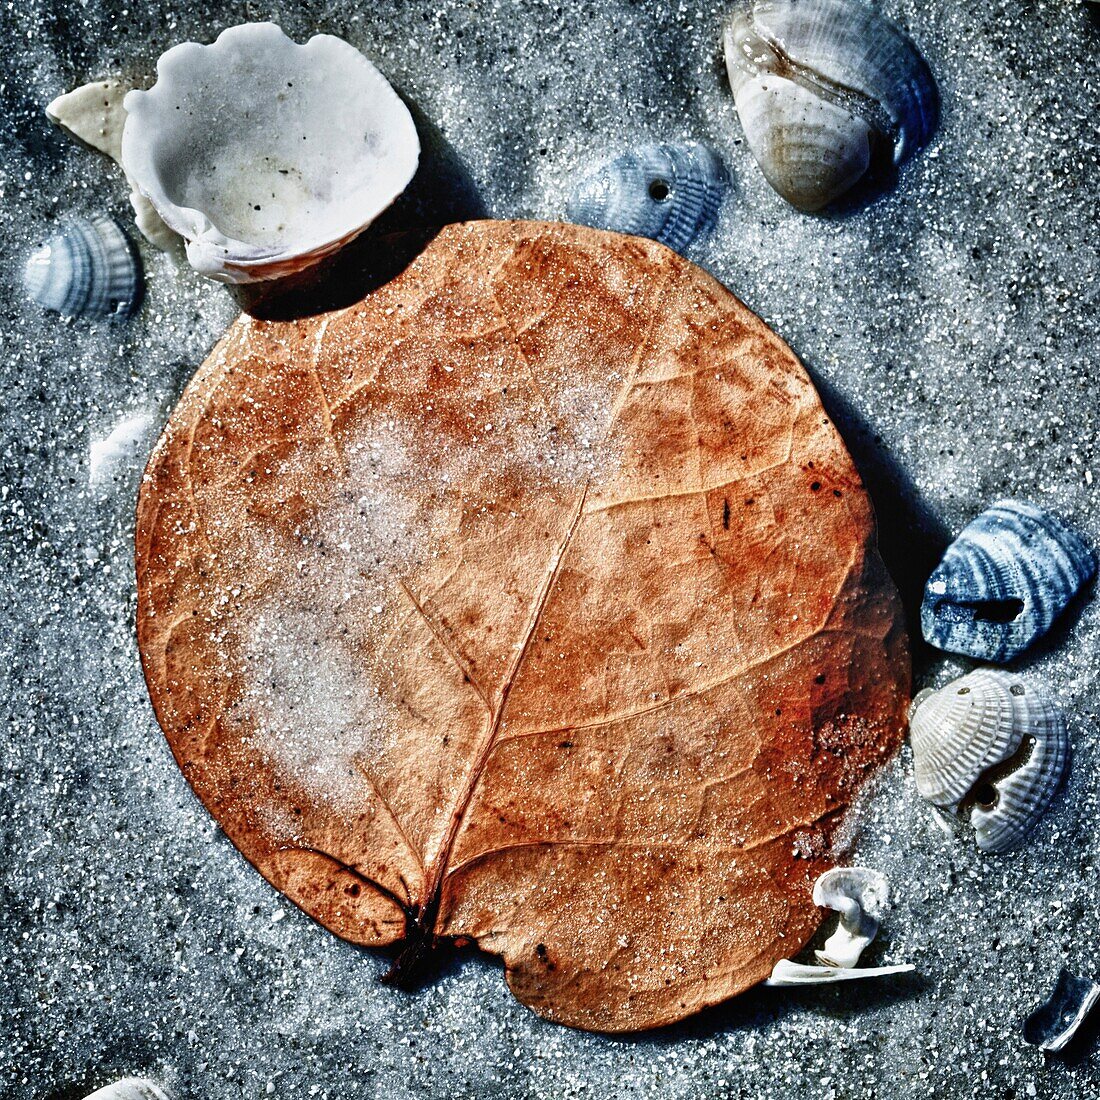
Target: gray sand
<point>951,328</point>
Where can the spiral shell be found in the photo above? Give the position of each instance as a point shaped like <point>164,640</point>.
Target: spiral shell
<point>993,746</point>
<point>1003,582</point>
<point>88,267</point>
<point>820,87</point>
<point>670,193</point>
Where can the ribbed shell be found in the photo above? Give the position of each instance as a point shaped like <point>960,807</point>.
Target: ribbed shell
<point>87,267</point>
<point>816,83</point>
<point>989,731</point>
<point>670,193</point>
<point>1003,582</point>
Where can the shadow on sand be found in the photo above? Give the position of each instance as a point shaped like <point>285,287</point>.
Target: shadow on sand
<point>441,192</point>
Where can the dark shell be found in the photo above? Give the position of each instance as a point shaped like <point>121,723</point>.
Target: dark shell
<point>1003,582</point>
<point>1055,1022</point>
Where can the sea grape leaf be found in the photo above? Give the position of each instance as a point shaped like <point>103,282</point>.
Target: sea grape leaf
<point>532,601</point>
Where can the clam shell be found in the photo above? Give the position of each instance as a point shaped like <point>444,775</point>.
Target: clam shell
<point>1003,582</point>
<point>786,972</point>
<point>670,193</point>
<point>129,1088</point>
<point>991,745</point>
<point>266,155</point>
<point>88,267</point>
<point>861,896</point>
<point>1057,1020</point>
<point>820,86</point>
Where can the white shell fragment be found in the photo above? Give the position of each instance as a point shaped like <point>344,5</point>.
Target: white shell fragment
<point>93,115</point>
<point>786,972</point>
<point>820,87</point>
<point>1057,1020</point>
<point>267,156</point>
<point>87,267</point>
<point>124,442</point>
<point>991,745</point>
<point>861,897</point>
<point>129,1088</point>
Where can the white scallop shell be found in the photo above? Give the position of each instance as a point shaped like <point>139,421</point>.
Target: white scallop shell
<point>267,156</point>
<point>993,745</point>
<point>819,86</point>
<point>129,1088</point>
<point>861,896</point>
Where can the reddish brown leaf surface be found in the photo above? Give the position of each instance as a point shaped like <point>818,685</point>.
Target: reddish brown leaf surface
<point>532,600</point>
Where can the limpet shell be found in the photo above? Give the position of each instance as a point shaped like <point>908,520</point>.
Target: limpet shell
<point>88,267</point>
<point>1003,582</point>
<point>821,86</point>
<point>991,745</point>
<point>671,193</point>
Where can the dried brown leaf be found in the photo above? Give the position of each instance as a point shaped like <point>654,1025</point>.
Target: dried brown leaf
<point>533,601</point>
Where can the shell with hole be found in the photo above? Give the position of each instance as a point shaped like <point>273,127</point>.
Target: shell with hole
<point>861,896</point>
<point>671,193</point>
<point>1002,583</point>
<point>267,156</point>
<point>87,267</point>
<point>992,746</point>
<point>825,89</point>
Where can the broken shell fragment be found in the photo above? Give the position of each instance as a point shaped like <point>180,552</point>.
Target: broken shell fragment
<point>821,87</point>
<point>993,746</point>
<point>88,267</point>
<point>670,193</point>
<point>267,156</point>
<point>1054,1023</point>
<point>129,1088</point>
<point>786,972</point>
<point>1003,582</point>
<point>124,442</point>
<point>93,115</point>
<point>860,896</point>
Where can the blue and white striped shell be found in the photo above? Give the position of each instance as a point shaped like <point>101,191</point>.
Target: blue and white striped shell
<point>87,267</point>
<point>820,87</point>
<point>991,745</point>
<point>670,193</point>
<point>1003,582</point>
